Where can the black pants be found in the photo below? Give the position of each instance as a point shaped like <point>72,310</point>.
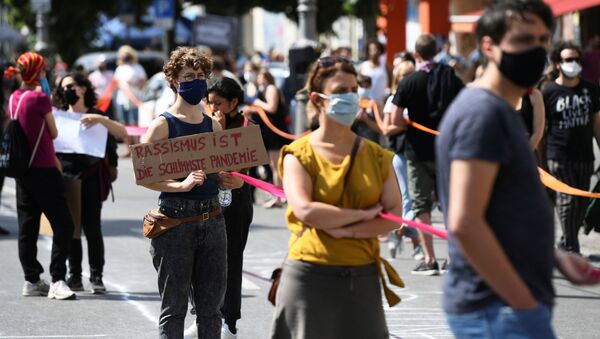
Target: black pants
<point>41,190</point>
<point>91,211</point>
<point>238,217</point>
<point>571,209</point>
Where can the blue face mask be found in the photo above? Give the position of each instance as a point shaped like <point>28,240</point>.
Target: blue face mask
<point>364,92</point>
<point>45,86</point>
<point>193,91</point>
<point>342,107</point>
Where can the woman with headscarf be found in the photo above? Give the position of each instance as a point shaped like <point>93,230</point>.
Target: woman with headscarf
<point>40,188</point>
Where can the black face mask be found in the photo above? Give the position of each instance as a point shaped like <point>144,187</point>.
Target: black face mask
<point>524,69</point>
<point>70,96</point>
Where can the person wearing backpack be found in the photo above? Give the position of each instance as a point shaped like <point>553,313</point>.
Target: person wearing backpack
<point>75,93</point>
<point>40,188</point>
<point>425,94</point>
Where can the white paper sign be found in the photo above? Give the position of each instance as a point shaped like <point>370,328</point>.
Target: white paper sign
<point>74,138</point>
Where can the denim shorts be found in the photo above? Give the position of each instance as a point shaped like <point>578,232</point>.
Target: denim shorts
<point>498,320</point>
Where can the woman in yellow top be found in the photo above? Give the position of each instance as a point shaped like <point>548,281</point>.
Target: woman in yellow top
<point>330,287</point>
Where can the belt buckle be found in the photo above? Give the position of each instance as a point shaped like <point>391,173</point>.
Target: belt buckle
<point>205,216</point>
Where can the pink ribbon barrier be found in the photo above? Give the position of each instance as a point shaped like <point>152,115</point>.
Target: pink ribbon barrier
<point>423,227</point>
<point>265,186</point>
<point>596,274</point>
<point>136,131</point>
<point>278,191</point>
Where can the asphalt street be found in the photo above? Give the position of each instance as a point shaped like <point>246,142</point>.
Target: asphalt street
<point>130,308</point>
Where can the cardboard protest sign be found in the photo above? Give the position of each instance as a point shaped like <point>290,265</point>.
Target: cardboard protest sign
<point>228,150</point>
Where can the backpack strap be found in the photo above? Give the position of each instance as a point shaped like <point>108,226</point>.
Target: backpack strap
<point>10,110</point>
<point>37,143</point>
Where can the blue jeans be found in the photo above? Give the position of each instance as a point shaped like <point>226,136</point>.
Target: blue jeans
<point>500,321</point>
<point>399,163</point>
<point>191,254</point>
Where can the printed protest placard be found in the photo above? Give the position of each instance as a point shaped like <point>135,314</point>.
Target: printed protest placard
<point>229,150</point>
<point>74,138</point>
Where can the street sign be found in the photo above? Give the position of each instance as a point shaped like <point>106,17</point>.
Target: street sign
<point>40,6</point>
<point>163,11</point>
<point>216,31</point>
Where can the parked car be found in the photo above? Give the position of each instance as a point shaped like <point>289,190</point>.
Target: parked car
<point>152,61</point>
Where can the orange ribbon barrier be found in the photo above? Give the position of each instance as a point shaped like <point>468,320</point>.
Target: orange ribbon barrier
<point>559,186</point>
<point>263,115</point>
<point>547,179</point>
<point>106,98</point>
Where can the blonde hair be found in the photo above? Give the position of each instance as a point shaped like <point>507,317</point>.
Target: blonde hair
<point>125,51</point>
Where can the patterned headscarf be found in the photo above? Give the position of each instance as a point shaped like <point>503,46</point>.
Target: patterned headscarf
<point>29,64</point>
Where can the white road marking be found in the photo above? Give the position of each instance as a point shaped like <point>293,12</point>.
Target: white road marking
<point>55,336</point>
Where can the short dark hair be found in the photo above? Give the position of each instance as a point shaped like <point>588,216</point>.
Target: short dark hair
<point>364,81</point>
<point>561,46</point>
<point>426,46</point>
<point>227,88</point>
<point>89,97</point>
<point>500,14</point>
<point>405,56</point>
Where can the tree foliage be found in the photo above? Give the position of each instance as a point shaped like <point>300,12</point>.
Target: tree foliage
<point>327,10</point>
<point>72,25</point>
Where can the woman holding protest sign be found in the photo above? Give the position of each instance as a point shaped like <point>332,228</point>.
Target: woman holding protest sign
<point>336,185</point>
<point>87,178</point>
<point>193,253</point>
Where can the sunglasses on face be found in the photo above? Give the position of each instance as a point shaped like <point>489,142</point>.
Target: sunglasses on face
<point>68,87</point>
<point>575,59</point>
<point>329,61</point>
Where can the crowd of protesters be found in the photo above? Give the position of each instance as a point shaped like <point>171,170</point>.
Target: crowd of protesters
<point>495,128</point>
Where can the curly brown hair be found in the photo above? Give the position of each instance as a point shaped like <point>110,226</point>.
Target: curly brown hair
<point>185,57</point>
<point>89,98</point>
<point>318,74</point>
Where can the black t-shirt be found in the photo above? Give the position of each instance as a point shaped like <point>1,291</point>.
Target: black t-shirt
<point>412,93</point>
<point>480,125</point>
<point>570,120</point>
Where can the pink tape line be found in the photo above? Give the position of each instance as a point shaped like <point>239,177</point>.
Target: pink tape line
<point>135,131</point>
<point>596,274</point>
<point>278,191</point>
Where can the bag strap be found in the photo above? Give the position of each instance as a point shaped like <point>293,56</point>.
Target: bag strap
<point>10,110</point>
<point>37,143</point>
<point>355,147</point>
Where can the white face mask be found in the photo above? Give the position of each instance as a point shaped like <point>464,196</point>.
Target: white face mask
<point>570,69</point>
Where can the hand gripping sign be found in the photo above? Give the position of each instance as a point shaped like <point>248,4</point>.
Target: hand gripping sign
<point>229,150</point>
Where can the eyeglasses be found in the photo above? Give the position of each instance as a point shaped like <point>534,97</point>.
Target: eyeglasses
<point>192,77</point>
<point>575,59</point>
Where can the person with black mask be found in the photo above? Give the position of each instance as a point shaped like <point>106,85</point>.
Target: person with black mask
<point>498,284</point>
<point>193,253</point>
<point>88,178</point>
<point>573,114</point>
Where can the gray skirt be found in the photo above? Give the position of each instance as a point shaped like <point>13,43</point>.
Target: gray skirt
<point>327,302</point>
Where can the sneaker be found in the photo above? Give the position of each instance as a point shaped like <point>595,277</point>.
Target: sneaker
<point>60,291</point>
<point>40,288</point>
<point>191,332</point>
<point>74,283</point>
<point>426,269</point>
<point>444,267</point>
<point>97,286</point>
<point>226,333</point>
<point>418,253</point>
<point>395,246</point>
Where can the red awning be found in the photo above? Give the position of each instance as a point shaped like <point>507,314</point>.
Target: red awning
<point>560,7</point>
<point>465,23</point>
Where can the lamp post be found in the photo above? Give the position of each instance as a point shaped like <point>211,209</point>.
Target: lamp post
<point>301,55</point>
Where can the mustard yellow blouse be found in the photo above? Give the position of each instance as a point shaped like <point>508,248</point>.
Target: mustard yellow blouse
<point>363,190</point>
